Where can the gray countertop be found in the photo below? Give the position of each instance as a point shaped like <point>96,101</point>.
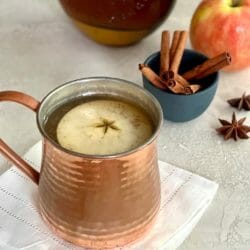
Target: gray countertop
<point>40,49</point>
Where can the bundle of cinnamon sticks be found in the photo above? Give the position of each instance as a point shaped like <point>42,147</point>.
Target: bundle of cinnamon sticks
<point>170,58</point>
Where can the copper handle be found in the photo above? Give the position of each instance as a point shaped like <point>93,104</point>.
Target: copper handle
<point>5,150</point>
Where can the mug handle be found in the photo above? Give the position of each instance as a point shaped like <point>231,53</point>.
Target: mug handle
<point>5,150</point>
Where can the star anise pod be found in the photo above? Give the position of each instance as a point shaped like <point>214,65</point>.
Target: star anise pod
<point>234,129</point>
<point>241,103</point>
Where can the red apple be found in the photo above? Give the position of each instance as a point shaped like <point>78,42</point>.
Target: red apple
<point>223,25</point>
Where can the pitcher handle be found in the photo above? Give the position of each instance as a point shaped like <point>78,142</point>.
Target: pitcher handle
<point>5,150</point>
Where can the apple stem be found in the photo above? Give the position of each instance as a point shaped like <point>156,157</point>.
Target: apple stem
<point>236,3</point>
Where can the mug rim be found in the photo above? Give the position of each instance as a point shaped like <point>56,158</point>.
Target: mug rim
<point>106,156</point>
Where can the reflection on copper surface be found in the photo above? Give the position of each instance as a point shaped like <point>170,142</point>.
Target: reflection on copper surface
<point>99,203</point>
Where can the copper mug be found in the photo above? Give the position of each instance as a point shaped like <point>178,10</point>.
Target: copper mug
<point>94,201</point>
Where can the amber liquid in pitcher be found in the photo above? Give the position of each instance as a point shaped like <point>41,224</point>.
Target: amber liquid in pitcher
<point>117,22</point>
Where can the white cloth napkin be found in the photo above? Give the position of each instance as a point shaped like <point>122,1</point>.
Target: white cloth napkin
<point>185,197</point>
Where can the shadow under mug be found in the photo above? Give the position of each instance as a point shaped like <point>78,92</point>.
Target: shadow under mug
<point>89,200</point>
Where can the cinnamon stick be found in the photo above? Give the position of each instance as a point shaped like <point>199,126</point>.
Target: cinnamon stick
<point>172,85</point>
<point>215,68</point>
<point>185,83</point>
<point>175,40</point>
<point>195,87</point>
<point>170,59</point>
<point>175,87</point>
<point>208,67</point>
<point>177,56</point>
<point>181,80</point>
<point>151,76</point>
<point>188,90</point>
<point>170,77</point>
<point>167,75</point>
<point>164,54</point>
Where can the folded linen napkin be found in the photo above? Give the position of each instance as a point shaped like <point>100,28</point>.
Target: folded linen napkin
<point>185,197</point>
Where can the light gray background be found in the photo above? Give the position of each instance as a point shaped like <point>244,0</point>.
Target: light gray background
<point>40,49</point>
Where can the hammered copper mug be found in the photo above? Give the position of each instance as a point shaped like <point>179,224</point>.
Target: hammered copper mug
<point>89,200</point>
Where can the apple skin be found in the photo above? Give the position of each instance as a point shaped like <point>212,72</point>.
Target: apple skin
<point>218,27</point>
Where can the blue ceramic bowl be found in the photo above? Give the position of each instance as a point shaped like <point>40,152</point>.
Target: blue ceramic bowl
<point>182,108</point>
